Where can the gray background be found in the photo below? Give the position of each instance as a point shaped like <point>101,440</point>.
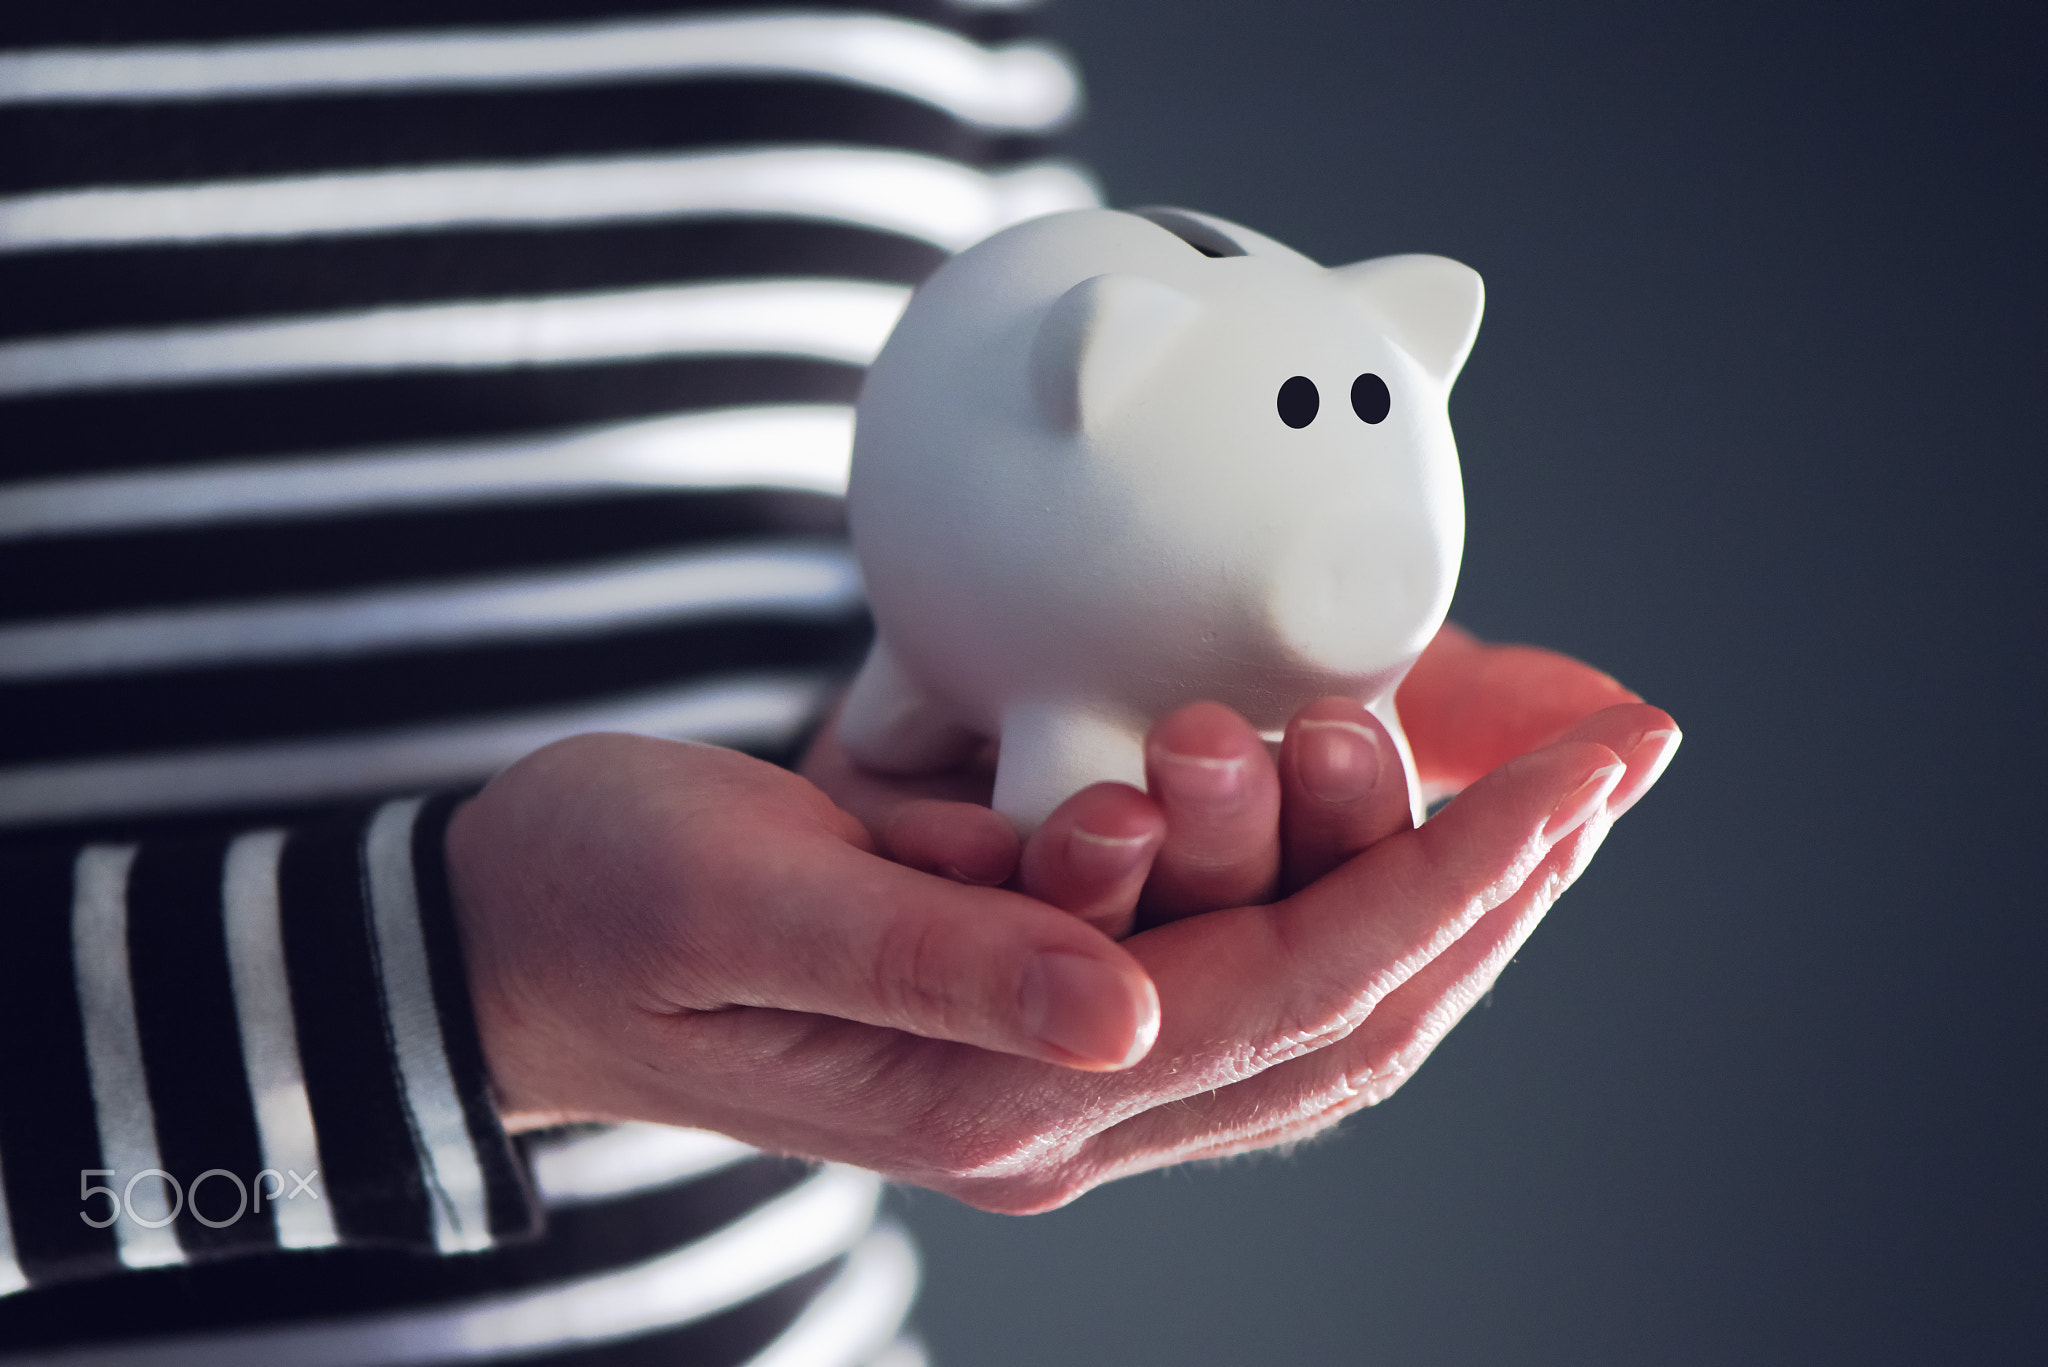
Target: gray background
<point>1753,422</point>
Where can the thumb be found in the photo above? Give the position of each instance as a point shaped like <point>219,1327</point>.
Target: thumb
<point>844,933</point>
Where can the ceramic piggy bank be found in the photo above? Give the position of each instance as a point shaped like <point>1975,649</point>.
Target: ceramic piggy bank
<point>1112,463</point>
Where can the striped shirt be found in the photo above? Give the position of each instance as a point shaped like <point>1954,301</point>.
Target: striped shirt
<point>387,390</point>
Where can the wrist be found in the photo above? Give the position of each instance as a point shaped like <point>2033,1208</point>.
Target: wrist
<point>473,896</point>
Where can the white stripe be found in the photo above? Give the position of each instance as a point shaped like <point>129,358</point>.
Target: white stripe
<point>625,1159</point>
<point>834,320</point>
<point>12,1278</point>
<point>449,1163</point>
<point>764,711</point>
<point>939,201</point>
<point>799,1230</point>
<point>817,1221</point>
<point>904,1352</point>
<point>113,1051</point>
<point>857,1314</point>
<point>1022,86</point>
<point>804,447</point>
<point>806,582</point>
<point>270,1035</point>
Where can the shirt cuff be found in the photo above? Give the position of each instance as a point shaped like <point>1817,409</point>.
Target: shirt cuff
<point>244,1045</point>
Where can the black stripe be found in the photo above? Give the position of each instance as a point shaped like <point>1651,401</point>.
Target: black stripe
<point>84,718</point>
<point>152,21</point>
<point>127,827</point>
<point>369,1169</point>
<point>48,1131</point>
<point>128,429</point>
<point>512,1207</point>
<point>191,1043</point>
<point>582,1241</point>
<point>52,577</point>
<point>59,146</point>
<point>629,1229</point>
<point>77,291</point>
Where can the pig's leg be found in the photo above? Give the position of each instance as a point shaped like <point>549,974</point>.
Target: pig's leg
<point>1383,708</point>
<point>1052,751</point>
<point>890,724</point>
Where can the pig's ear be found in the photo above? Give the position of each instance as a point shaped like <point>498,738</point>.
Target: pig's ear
<point>1099,341</point>
<point>1431,303</point>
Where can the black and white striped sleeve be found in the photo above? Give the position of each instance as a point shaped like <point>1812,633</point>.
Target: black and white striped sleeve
<point>242,1045</point>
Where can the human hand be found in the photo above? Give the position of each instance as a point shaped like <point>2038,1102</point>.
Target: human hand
<point>679,934</point>
<point>619,895</point>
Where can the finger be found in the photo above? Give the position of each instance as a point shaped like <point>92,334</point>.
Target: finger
<point>1648,757</point>
<point>1092,855</point>
<point>956,840</point>
<point>830,930</point>
<point>1468,707</point>
<point>1341,788</point>
<point>1245,988</point>
<point>1295,1099</point>
<point>1214,779</point>
<point>876,798</point>
<point>1644,736</point>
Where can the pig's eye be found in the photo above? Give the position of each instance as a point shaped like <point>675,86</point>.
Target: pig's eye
<point>1299,401</point>
<point>1369,397</point>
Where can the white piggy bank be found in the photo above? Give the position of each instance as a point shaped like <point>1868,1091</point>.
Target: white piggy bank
<point>1112,463</point>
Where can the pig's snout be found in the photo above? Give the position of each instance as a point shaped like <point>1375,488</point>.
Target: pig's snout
<point>1360,598</point>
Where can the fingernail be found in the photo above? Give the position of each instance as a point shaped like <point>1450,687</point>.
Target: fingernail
<point>976,880</point>
<point>1083,1008</point>
<point>1651,757</point>
<point>1204,776</point>
<point>1105,858</point>
<point>1339,760</point>
<point>1588,798</point>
